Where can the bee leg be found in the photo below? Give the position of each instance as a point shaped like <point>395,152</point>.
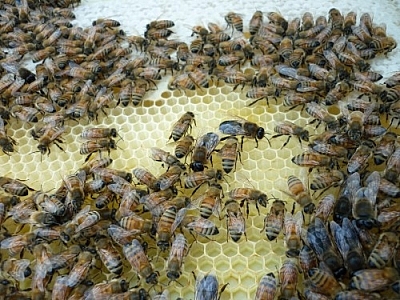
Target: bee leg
<point>255,101</point>
<point>222,290</point>
<point>287,141</point>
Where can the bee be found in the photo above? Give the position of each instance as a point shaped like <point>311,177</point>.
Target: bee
<point>255,22</point>
<point>392,169</point>
<point>43,54</point>
<point>307,259</point>
<point>17,243</point>
<point>285,49</point>
<point>199,225</point>
<point>299,192</point>
<point>98,133</point>
<point>323,282</point>
<point>14,186</point>
<point>247,195</point>
<point>202,151</point>
<point>371,280</point>
<point>158,154</point>
<point>109,289</point>
<point>288,278</point>
<point>383,44</point>
<point>244,128</point>
<point>336,18</point>
<point>25,114</point>
<point>385,148</point>
<point>260,93</point>
<point>195,179</point>
<point>383,250</point>
<point>157,34</point>
<point>349,245</point>
<point>81,269</point>
<point>289,128</point>
<point>178,252</point>
<point>325,180</point>
<point>137,225</point>
<point>325,207</point>
<point>106,23</point>
<point>75,191</point>
<point>152,201</point>
<point>312,160</point>
<point>357,295</point>
<point>277,19</point>
<point>184,146</point>
<point>267,287</point>
<point>160,24</point>
<point>294,99</point>
<point>235,222</point>
<point>98,145</point>
<point>169,221</point>
<point>145,177</point>
<point>296,58</point>
<point>319,240</point>
<point>358,161</point>
<point>229,153</point>
<point>349,21</point>
<point>6,143</point>
<point>235,21</point>
<point>17,269</point>
<point>292,229</point>
<point>137,258</point>
<point>49,204</point>
<point>355,121</point>
<point>109,255</point>
<point>47,135</point>
<point>273,221</point>
<point>181,127</point>
<point>210,201</point>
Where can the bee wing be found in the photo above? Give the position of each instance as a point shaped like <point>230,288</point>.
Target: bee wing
<point>318,238</point>
<point>200,222</point>
<point>372,182</point>
<point>232,127</point>
<point>11,67</point>
<point>180,215</point>
<point>353,184</point>
<point>211,142</point>
<point>22,264</point>
<point>340,239</point>
<point>11,242</point>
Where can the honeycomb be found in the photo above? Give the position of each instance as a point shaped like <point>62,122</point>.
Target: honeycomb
<point>265,167</point>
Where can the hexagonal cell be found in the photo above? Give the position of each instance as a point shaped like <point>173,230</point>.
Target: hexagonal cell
<point>222,264</point>
<point>213,250</point>
<point>230,249</point>
<point>247,281</point>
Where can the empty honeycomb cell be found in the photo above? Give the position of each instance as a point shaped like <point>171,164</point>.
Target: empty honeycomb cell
<point>205,264</point>
<point>230,249</point>
<point>247,280</point>
<point>222,264</point>
<point>256,262</point>
<point>213,251</point>
<point>246,249</point>
<point>213,91</point>
<point>166,94</point>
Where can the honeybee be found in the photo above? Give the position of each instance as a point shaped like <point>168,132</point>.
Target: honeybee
<point>288,278</point>
<point>383,250</point>
<point>321,115</point>
<point>312,160</point>
<point>99,133</point>
<point>98,145</point>
<point>299,192</point>
<point>152,201</point>
<point>244,128</point>
<point>371,280</point>
<point>255,22</point>
<point>25,114</point>
<point>278,19</point>
<point>358,161</point>
<point>158,154</point>
<point>307,259</point>
<point>81,269</point>
<point>109,255</point>
<point>235,222</point>
<point>247,195</point>
<point>325,207</point>
<point>181,127</point>
<point>323,282</point>
<point>184,146</point>
<point>65,258</point>
<point>392,169</point>
<point>210,201</point>
<point>145,177</point>
<point>289,128</point>
<point>17,243</point>
<point>202,151</point>
<point>137,258</point>
<point>273,221</point>
<point>325,180</point>
<point>357,295</point>
<point>157,34</point>
<point>109,289</point>
<point>195,179</point>
<point>385,147</point>
<point>199,225</point>
<point>169,221</point>
<point>49,204</point>
<point>267,287</point>
<point>178,252</point>
<point>168,178</point>
<point>383,44</point>
<point>6,143</point>
<point>47,135</point>
<point>347,241</point>
<point>207,288</point>
<point>235,21</point>
<point>319,240</point>
<point>229,153</point>
<point>292,230</point>
<point>17,269</point>
<point>137,225</point>
<point>14,186</point>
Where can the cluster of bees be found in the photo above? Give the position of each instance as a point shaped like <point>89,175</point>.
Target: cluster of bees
<point>98,219</point>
